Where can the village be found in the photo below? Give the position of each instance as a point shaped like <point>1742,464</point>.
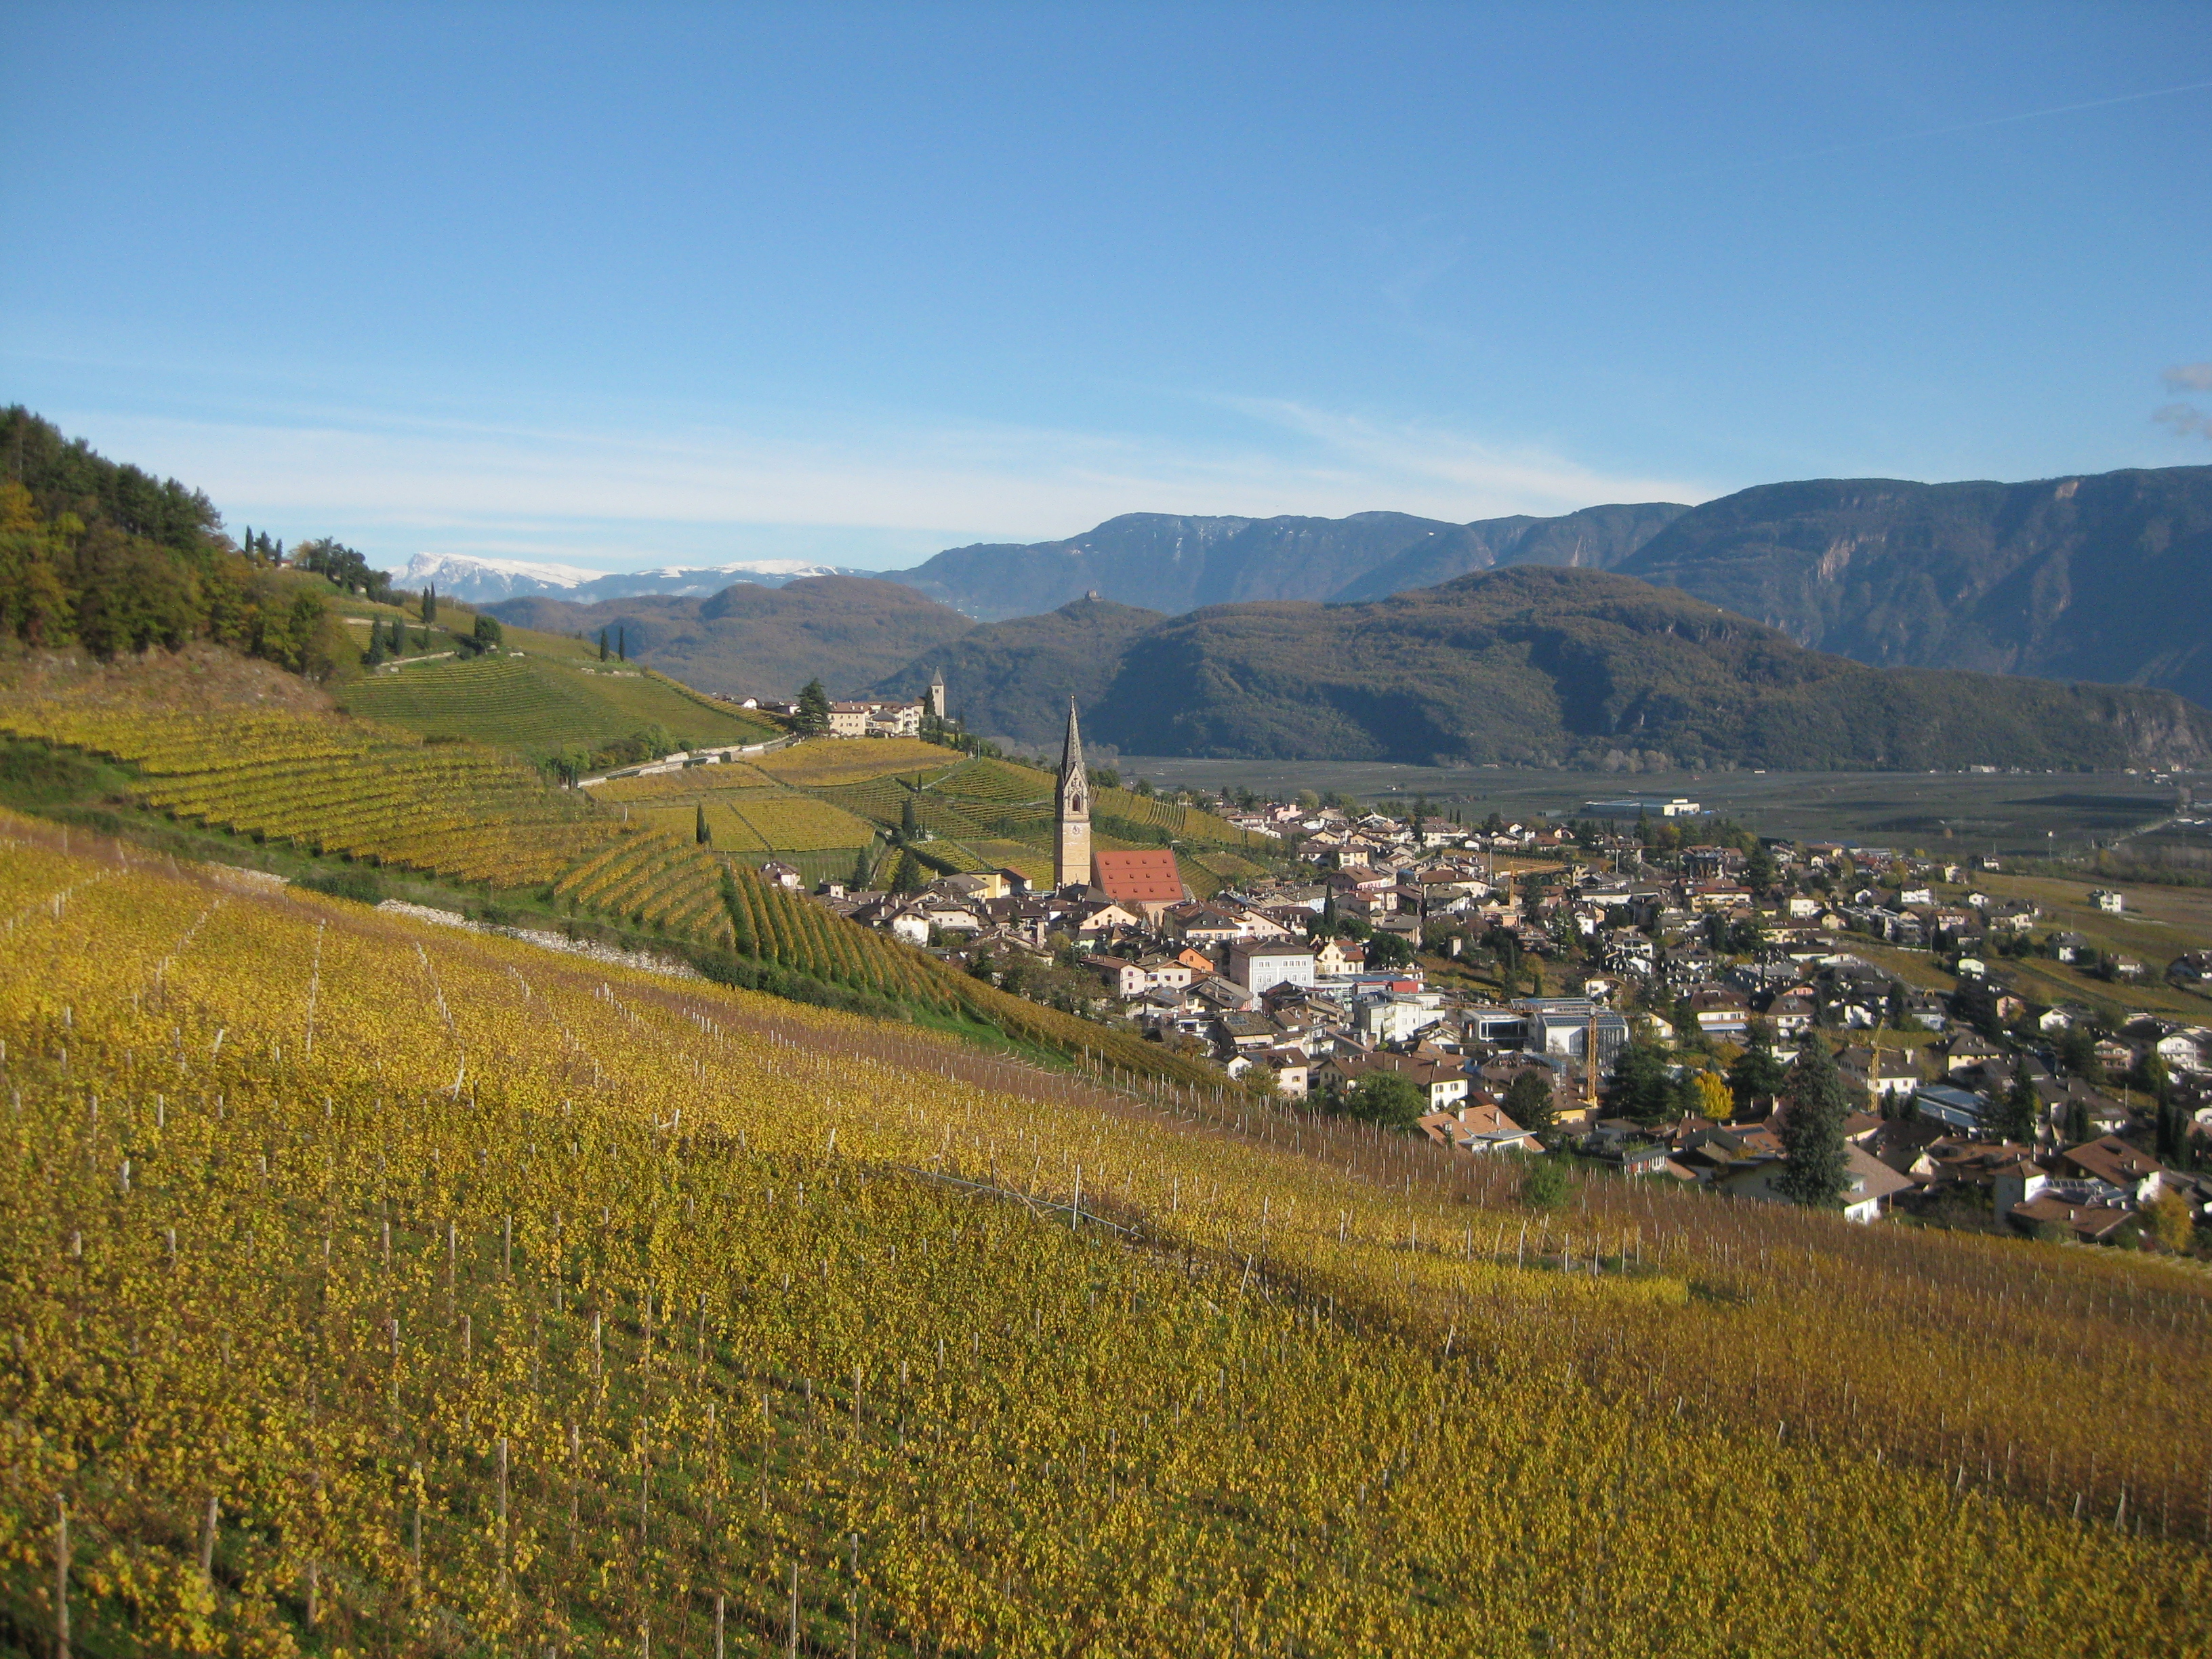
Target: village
<point>1624,988</point>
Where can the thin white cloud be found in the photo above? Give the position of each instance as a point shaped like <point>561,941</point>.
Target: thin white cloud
<point>613,499</point>
<point>1497,480</point>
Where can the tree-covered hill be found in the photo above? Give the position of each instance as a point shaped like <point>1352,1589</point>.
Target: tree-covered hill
<point>750,641</point>
<point>102,555</point>
<point>1013,680</point>
<point>1536,666</point>
<point>2106,577</point>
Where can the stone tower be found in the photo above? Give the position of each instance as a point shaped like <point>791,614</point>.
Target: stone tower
<point>937,695</point>
<point>1071,864</point>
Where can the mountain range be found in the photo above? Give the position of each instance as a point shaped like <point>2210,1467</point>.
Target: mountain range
<point>476,581</point>
<point>1546,666</point>
<point>1176,563</point>
<point>2105,577</point>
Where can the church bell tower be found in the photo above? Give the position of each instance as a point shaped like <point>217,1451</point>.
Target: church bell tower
<point>937,695</point>
<point>1071,864</point>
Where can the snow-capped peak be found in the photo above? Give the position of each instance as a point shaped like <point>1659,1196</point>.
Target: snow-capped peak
<point>455,567</point>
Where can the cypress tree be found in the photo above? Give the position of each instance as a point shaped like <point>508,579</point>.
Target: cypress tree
<point>429,604</point>
<point>2017,1116</point>
<point>1816,1170</point>
<point>603,645</point>
<point>700,833</point>
<point>621,644</point>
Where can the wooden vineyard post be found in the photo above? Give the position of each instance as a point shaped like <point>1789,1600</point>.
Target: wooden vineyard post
<point>61,1577</point>
<point>207,1540</point>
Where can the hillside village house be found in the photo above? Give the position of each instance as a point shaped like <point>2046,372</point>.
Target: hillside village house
<point>875,720</point>
<point>1249,973</point>
<point>1260,965</point>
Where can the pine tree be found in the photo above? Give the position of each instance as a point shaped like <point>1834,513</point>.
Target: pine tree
<point>1815,1172</point>
<point>2015,1116</point>
<point>813,707</point>
<point>1528,1101</point>
<point>1756,1075</point>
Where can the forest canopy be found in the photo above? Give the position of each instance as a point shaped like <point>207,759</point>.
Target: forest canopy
<point>101,555</point>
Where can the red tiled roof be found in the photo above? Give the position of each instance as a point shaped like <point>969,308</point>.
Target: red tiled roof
<point>1148,877</point>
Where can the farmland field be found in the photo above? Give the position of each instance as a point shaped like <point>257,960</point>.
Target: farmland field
<point>829,761</point>
<point>691,782</point>
<point>802,824</point>
<point>537,705</point>
<point>730,831</point>
<point>332,785</point>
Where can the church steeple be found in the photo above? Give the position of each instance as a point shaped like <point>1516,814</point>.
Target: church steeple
<point>1071,857</point>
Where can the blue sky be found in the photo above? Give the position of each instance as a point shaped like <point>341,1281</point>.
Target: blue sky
<point>614,286</point>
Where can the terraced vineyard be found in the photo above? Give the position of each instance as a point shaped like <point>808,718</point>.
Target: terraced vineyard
<point>378,1289</point>
<point>663,881</point>
<point>998,781</point>
<point>690,783</point>
<point>822,796</point>
<point>538,705</point>
<point>827,760</point>
<point>730,832</point>
<point>335,785</point>
<point>802,824</point>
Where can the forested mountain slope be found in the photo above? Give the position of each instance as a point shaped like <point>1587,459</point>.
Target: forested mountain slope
<point>1534,666</point>
<point>751,640</point>
<point>2105,578</point>
<point>1013,680</point>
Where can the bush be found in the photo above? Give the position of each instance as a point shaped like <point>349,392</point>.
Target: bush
<point>356,882</point>
<point>1387,1098</point>
<point>1544,1185</point>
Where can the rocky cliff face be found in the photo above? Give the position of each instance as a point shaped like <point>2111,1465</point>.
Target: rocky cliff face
<point>2104,578</point>
<point>1173,564</point>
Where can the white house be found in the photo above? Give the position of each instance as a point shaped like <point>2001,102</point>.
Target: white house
<point>1259,965</point>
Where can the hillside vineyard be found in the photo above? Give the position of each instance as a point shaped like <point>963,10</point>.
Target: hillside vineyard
<point>377,1288</point>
